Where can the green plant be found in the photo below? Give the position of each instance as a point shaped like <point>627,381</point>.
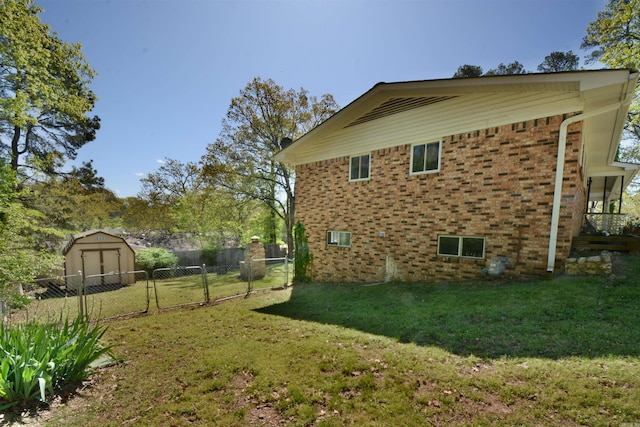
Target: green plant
<point>152,258</point>
<point>303,257</point>
<point>39,358</point>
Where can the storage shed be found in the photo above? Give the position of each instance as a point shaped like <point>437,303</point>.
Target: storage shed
<point>96,252</point>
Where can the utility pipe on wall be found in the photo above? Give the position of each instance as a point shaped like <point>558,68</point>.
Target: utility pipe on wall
<point>557,192</point>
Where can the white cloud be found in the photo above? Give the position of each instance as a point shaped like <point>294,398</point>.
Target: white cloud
<point>161,161</point>
<point>139,174</point>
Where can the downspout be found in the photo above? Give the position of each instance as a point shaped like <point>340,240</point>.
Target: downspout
<point>557,192</point>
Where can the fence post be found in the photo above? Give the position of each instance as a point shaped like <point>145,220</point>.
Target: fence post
<point>250,276</point>
<point>80,294</point>
<point>206,284</point>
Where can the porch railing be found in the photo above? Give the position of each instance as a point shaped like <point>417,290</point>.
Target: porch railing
<point>610,223</point>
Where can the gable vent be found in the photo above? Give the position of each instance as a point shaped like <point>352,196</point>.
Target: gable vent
<point>397,105</point>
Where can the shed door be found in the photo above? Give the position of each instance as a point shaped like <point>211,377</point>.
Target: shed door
<point>102,261</point>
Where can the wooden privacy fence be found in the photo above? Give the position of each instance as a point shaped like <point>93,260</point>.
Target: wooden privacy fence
<point>606,243</point>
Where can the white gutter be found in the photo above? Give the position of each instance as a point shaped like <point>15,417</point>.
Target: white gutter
<point>557,192</point>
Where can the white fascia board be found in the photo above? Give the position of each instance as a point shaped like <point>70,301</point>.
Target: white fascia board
<point>459,115</point>
<point>567,82</point>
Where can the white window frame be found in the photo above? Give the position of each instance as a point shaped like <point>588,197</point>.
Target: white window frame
<point>351,178</point>
<point>460,246</point>
<point>422,172</point>
<point>335,237</point>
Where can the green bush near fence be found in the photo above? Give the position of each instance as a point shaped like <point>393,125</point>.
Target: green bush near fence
<point>38,359</point>
<point>152,258</point>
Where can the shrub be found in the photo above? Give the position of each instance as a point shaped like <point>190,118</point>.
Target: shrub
<point>38,359</point>
<point>152,258</point>
<point>303,257</point>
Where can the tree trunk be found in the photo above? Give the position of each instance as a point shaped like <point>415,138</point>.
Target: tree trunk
<point>15,152</point>
<point>290,223</point>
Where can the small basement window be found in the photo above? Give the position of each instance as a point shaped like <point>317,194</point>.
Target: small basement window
<point>425,158</point>
<point>359,168</point>
<point>461,246</point>
<point>340,239</point>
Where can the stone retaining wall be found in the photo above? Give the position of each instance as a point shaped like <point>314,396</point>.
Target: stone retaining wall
<point>596,264</point>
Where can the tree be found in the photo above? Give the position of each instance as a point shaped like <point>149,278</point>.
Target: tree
<point>614,40</point>
<point>466,70</point>
<point>44,91</point>
<point>257,123</point>
<point>192,204</point>
<point>76,201</point>
<point>86,176</point>
<point>23,239</point>
<point>141,216</point>
<point>69,205</point>
<point>503,70</point>
<point>559,61</point>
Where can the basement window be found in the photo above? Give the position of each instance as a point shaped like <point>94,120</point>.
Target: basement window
<point>461,246</point>
<point>425,158</point>
<point>341,239</point>
<point>359,168</point>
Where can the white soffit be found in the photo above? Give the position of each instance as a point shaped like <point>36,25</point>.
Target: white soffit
<point>399,113</point>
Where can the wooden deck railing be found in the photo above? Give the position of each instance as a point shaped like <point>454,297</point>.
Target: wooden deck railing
<point>606,243</point>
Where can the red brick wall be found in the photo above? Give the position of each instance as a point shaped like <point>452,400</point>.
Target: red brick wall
<point>496,183</point>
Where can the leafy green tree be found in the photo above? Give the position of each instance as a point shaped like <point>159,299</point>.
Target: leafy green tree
<point>195,205</point>
<point>24,253</point>
<point>78,208</point>
<point>86,176</point>
<point>559,61</point>
<point>77,201</point>
<point>44,91</point>
<point>503,70</point>
<point>171,181</point>
<point>466,70</point>
<point>614,39</point>
<point>257,122</point>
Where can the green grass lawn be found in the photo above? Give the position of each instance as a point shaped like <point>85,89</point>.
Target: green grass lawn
<point>549,352</point>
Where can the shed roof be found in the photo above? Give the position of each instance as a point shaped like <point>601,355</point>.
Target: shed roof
<point>69,244</point>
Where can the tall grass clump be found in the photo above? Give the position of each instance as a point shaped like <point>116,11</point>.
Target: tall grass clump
<point>40,358</point>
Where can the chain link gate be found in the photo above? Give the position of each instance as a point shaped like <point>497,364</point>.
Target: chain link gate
<point>273,273</point>
<point>180,286</point>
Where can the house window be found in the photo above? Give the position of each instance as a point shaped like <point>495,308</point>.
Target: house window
<point>425,158</point>
<point>461,246</point>
<point>359,170</point>
<point>339,238</point>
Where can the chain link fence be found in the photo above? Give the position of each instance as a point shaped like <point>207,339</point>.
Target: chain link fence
<point>105,296</point>
<point>49,299</point>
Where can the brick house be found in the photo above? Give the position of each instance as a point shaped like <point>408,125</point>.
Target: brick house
<point>456,178</point>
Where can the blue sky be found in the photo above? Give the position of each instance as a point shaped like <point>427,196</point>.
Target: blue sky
<point>168,69</point>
